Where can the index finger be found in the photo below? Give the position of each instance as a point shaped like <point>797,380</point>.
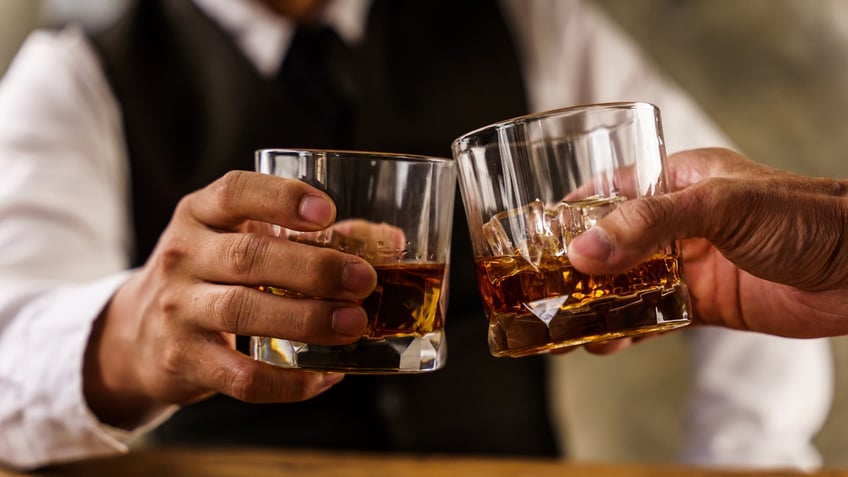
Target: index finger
<point>239,196</point>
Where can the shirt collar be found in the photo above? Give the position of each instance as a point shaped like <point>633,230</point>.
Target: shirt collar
<point>264,37</point>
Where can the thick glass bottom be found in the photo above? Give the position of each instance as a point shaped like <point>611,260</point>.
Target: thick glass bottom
<point>387,355</point>
<point>549,326</point>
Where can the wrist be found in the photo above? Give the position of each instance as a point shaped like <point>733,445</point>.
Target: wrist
<point>108,376</point>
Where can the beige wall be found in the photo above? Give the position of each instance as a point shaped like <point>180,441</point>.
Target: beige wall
<point>17,18</point>
<point>771,72</point>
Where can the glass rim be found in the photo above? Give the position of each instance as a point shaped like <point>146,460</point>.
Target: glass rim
<point>353,154</point>
<point>552,113</point>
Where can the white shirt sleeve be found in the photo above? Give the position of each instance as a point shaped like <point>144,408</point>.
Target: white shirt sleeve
<point>64,245</point>
<point>756,400</point>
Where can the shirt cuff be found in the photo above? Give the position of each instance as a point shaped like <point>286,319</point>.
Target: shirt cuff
<point>42,402</point>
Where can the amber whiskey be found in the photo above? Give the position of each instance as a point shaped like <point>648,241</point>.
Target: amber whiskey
<point>537,309</point>
<point>407,300</point>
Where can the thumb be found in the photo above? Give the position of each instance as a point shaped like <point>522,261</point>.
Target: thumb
<point>765,226</point>
<point>630,234</point>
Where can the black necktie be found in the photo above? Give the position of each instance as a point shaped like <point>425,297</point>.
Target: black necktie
<point>319,70</point>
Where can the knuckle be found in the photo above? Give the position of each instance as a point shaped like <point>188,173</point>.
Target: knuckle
<point>231,308</point>
<point>174,248</point>
<point>243,382</point>
<point>705,191</point>
<point>184,204</point>
<point>229,188</point>
<point>643,214</point>
<point>169,304</point>
<point>723,197</point>
<point>172,256</point>
<point>172,358</point>
<point>242,256</point>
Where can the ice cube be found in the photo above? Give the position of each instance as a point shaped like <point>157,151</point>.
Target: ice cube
<point>578,216</point>
<point>531,231</point>
<point>497,238</point>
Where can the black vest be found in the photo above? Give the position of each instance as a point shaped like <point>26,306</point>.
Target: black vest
<point>194,108</point>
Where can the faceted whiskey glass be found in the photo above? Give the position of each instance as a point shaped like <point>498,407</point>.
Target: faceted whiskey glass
<point>529,186</point>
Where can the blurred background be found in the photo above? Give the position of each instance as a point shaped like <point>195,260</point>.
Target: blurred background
<point>772,73</point>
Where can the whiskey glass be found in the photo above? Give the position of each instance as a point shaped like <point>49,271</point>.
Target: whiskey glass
<point>530,185</point>
<point>396,212</point>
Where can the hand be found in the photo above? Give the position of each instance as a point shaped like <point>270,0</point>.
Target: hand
<point>168,335</point>
<point>765,249</point>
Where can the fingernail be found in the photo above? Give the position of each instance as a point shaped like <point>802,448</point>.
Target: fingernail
<point>316,209</point>
<point>358,277</point>
<point>593,244</point>
<point>349,321</point>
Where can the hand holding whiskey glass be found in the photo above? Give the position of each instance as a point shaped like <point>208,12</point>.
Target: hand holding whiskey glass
<point>395,211</point>
<point>529,186</point>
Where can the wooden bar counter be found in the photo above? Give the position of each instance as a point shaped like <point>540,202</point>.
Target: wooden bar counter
<point>215,462</point>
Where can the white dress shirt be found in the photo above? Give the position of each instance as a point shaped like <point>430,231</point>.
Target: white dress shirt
<point>65,233</point>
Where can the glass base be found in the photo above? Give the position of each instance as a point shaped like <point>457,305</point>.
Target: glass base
<point>387,355</point>
<point>550,326</point>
